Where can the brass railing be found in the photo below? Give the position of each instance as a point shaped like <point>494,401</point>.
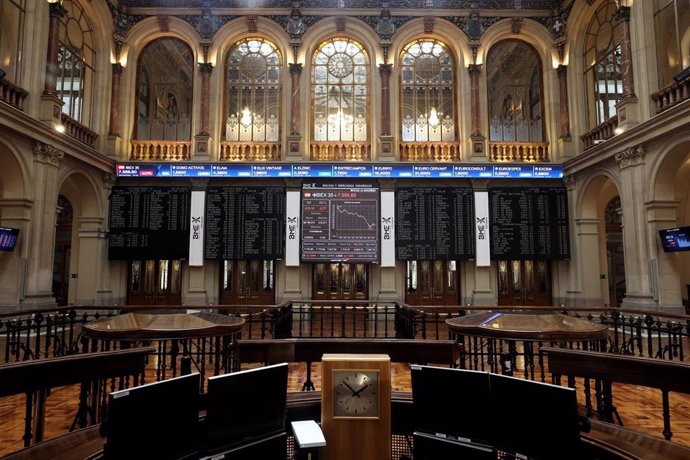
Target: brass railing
<point>161,150</point>
<point>519,151</point>
<point>252,151</point>
<point>605,130</point>
<point>12,94</point>
<point>340,151</point>
<point>77,131</point>
<point>672,94</point>
<point>430,151</point>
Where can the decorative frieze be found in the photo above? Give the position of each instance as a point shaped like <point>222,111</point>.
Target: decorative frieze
<point>46,153</point>
<point>632,156</point>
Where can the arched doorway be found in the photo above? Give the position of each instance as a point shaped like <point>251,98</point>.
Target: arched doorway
<point>63,250</point>
<point>615,257</point>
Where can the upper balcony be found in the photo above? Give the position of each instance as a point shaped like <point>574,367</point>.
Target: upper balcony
<point>12,94</point>
<point>672,94</point>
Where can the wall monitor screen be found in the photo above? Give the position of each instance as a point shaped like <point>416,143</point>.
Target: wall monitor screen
<point>8,238</point>
<point>340,222</point>
<point>675,239</point>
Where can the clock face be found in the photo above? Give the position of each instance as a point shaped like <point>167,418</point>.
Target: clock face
<point>356,393</point>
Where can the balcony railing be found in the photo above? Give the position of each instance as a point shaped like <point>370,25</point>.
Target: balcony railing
<point>254,151</point>
<point>161,150</point>
<point>519,151</point>
<point>672,94</point>
<point>604,131</point>
<point>77,131</point>
<point>340,151</point>
<point>12,94</point>
<point>430,151</point>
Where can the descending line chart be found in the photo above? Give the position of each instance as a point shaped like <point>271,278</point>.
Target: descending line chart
<point>359,216</point>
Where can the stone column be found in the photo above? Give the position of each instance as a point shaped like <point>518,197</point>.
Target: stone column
<point>295,136</point>
<point>16,213</point>
<point>39,287</point>
<point>106,278</point>
<point>386,152</point>
<point>662,215</point>
<point>637,281</point>
<point>591,289</point>
<point>197,293</point>
<point>203,136</point>
<point>90,267</point>
<point>51,105</point>
<point>564,108</point>
<point>478,139</point>
<point>627,108</point>
<point>114,130</point>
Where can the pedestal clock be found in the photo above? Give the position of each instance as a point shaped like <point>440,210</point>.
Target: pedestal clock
<point>356,406</point>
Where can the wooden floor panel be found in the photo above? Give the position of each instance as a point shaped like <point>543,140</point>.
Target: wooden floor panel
<point>639,407</point>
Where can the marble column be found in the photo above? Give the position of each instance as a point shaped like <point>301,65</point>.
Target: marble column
<point>623,17</point>
<point>563,99</point>
<point>295,136</point>
<point>477,153</point>
<point>39,287</point>
<point>482,293</point>
<point>115,101</point>
<point>385,71</point>
<point>203,136</point>
<point>51,104</point>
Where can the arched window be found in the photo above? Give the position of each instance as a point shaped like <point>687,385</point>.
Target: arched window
<point>12,13</point>
<point>75,63</point>
<point>164,91</point>
<point>602,64</point>
<point>427,92</point>
<point>514,86</point>
<point>340,77</point>
<point>253,92</point>
<point>672,25</point>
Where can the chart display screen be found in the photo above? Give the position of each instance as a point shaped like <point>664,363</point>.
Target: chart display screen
<point>340,222</point>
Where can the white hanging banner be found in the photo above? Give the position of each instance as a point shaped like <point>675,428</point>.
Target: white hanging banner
<point>481,229</point>
<point>388,229</point>
<point>292,208</point>
<point>196,229</point>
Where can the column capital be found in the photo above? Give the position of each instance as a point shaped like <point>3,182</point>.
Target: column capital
<point>295,68</point>
<point>117,68</point>
<point>562,70</point>
<point>46,153</point>
<point>385,69</point>
<point>632,156</point>
<point>570,181</point>
<point>206,68</point>
<point>109,179</point>
<point>57,10</point>
<point>623,14</point>
<point>474,69</point>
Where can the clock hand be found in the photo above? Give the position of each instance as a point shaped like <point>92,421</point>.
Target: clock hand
<point>350,388</point>
<point>356,393</point>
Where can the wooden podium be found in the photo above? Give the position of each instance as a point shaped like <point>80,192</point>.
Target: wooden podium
<point>356,406</point>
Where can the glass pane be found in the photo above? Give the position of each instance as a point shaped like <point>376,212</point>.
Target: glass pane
<point>164,91</point>
<point>503,277</point>
<point>360,279</point>
<point>452,277</point>
<point>150,277</point>
<point>163,273</point>
<point>268,275</point>
<point>542,277</point>
<point>243,275</point>
<point>529,277</point>
<point>320,278</point>
<point>438,277</point>
<point>347,279</point>
<point>517,278</point>
<point>411,276</point>
<point>135,277</point>
<point>11,34</point>
<point>335,278</point>
<point>176,277</point>
<point>425,269</point>
<point>227,275</point>
<point>255,275</point>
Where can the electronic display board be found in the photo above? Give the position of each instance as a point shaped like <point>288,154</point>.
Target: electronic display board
<point>244,223</point>
<point>340,222</point>
<point>149,223</point>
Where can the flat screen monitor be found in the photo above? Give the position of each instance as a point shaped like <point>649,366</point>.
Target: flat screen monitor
<point>243,406</point>
<point>535,419</point>
<point>675,239</point>
<point>452,402</point>
<point>159,420</point>
<point>8,238</point>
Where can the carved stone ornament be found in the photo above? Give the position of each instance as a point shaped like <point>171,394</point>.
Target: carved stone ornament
<point>632,156</point>
<point>295,25</point>
<point>570,181</point>
<point>109,179</point>
<point>46,153</point>
<point>385,26</point>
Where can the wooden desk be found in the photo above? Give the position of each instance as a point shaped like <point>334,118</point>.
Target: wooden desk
<point>533,326</point>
